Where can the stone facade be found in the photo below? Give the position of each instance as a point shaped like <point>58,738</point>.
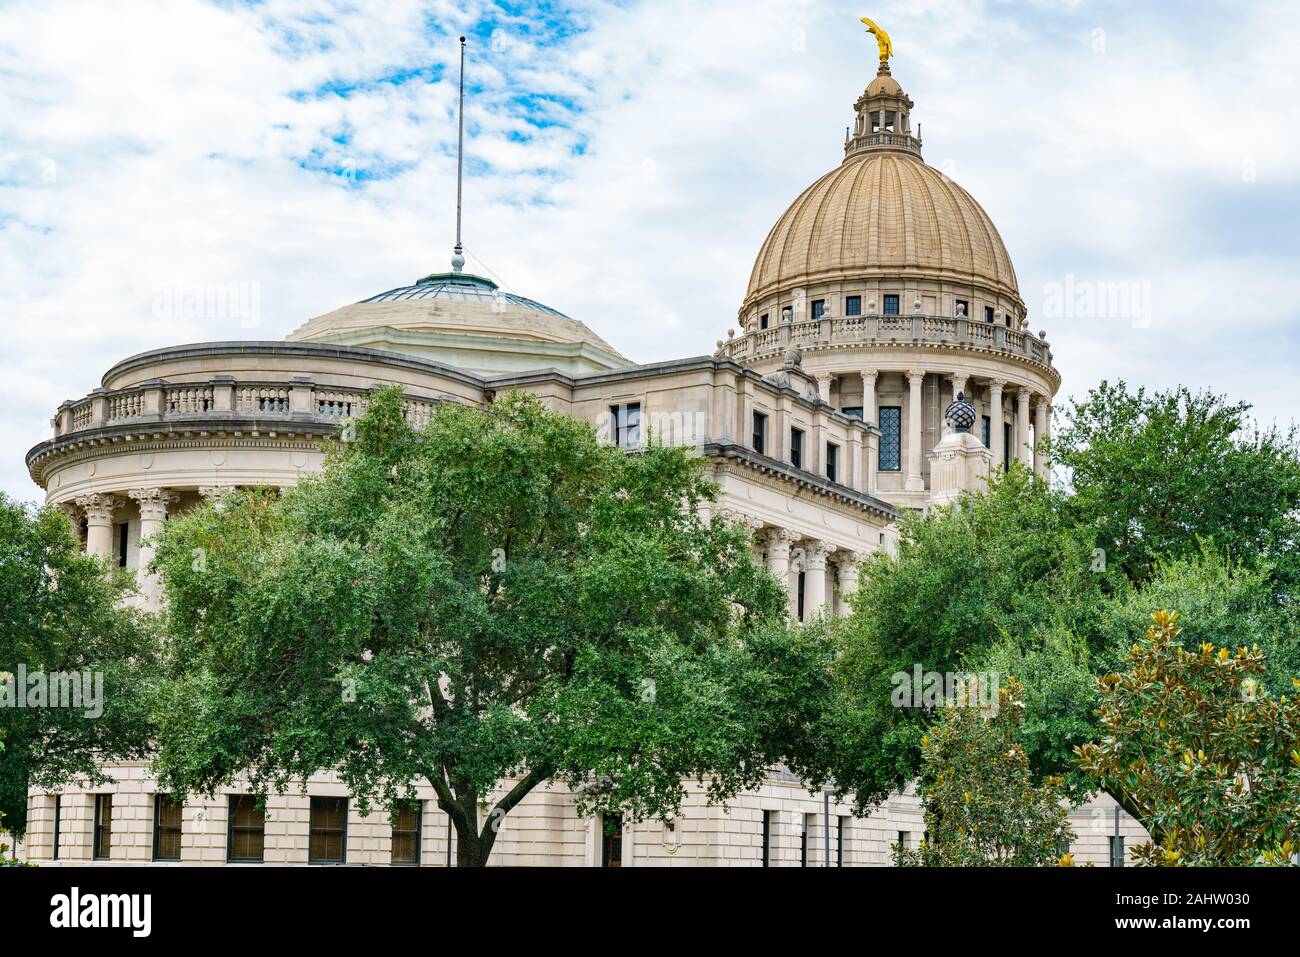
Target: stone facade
<point>820,422</point>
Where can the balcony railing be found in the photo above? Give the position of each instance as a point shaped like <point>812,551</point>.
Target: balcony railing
<point>190,405</point>
<point>865,330</point>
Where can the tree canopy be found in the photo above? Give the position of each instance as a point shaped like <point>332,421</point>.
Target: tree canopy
<point>62,614</point>
<point>498,598</point>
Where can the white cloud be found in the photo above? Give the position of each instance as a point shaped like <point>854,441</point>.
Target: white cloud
<point>149,145</point>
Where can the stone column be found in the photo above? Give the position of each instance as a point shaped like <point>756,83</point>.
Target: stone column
<point>848,580</point>
<point>99,524</point>
<point>1022,426</point>
<point>915,483</point>
<point>1042,416</point>
<point>824,386</point>
<point>995,422</point>
<point>814,579</point>
<point>778,561</point>
<point>153,504</point>
<point>869,397</point>
<point>959,381</point>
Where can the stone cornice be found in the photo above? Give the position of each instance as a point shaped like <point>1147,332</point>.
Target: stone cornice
<point>731,452</point>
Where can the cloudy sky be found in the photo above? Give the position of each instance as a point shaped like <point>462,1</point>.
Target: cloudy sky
<point>625,162</point>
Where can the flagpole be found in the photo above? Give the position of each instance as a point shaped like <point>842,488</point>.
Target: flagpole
<point>458,260</point>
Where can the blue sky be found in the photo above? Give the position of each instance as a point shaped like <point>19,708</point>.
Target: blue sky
<point>625,162</point>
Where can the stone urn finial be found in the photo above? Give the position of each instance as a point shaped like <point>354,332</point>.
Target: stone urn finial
<point>960,414</point>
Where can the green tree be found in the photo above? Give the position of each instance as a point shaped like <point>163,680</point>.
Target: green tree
<point>499,598</point>
<point>982,806</point>
<point>1003,566</point>
<point>1155,474</point>
<point>1197,749</point>
<point>64,614</point>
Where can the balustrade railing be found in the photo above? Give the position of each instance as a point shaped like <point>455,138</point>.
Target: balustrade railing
<point>158,403</point>
<point>956,331</point>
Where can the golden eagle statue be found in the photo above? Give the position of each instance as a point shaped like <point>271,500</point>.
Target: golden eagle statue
<point>882,38</point>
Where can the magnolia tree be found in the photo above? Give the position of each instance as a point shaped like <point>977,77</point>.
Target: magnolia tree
<point>982,806</point>
<point>494,603</point>
<point>1200,752</point>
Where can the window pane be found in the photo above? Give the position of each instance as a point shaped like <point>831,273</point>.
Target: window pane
<point>247,828</point>
<point>891,438</point>
<point>328,822</point>
<point>853,306</point>
<point>891,305</point>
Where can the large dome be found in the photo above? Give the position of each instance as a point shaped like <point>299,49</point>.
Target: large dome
<point>883,215</point>
<point>885,220</point>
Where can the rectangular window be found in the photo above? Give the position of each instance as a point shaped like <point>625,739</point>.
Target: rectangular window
<point>803,843</point>
<point>121,544</point>
<point>1116,851</point>
<point>796,448</point>
<point>246,832</point>
<point>166,828</point>
<point>902,839</point>
<point>1006,445</point>
<point>327,843</point>
<point>799,597</point>
<point>760,432</point>
<point>852,411</point>
<point>832,461</point>
<point>891,305</point>
<point>58,822</point>
<point>961,307</point>
<point>103,846</point>
<point>891,438</point>
<point>986,429</point>
<point>841,831</point>
<point>818,308</point>
<point>406,835</point>
<point>988,313</point>
<point>627,425</point>
<point>762,321</point>
<point>853,305</point>
<point>767,838</point>
<point>611,845</point>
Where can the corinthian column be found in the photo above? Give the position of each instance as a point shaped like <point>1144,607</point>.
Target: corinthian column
<point>1022,426</point>
<point>99,523</point>
<point>814,578</point>
<point>869,397</point>
<point>914,481</point>
<point>153,504</point>
<point>824,387</point>
<point>995,423</point>
<point>848,580</point>
<point>1042,415</point>
<point>778,563</point>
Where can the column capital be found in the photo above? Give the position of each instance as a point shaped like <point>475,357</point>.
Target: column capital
<point>779,537</point>
<point>815,552</point>
<point>997,385</point>
<point>737,517</point>
<point>99,507</point>
<point>1023,393</point>
<point>153,502</point>
<point>850,559</point>
<point>869,375</point>
<point>215,493</point>
<point>915,376</point>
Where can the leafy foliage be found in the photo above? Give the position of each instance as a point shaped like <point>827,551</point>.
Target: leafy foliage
<point>982,807</point>
<point>1002,566</point>
<point>497,598</point>
<point>1156,474</point>
<point>1199,751</point>
<point>61,611</point>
